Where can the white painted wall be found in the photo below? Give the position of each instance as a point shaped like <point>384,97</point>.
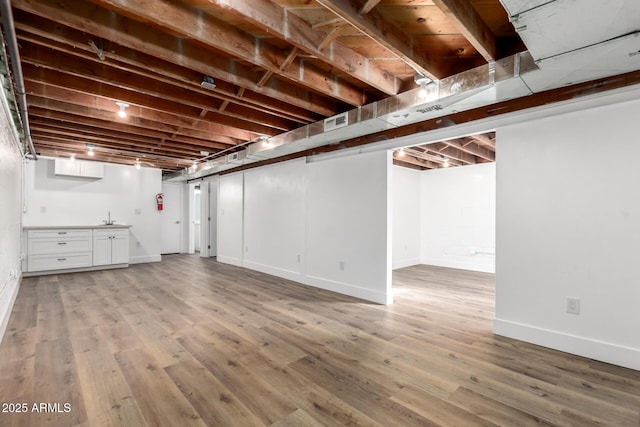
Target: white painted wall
<point>230,218</point>
<point>125,191</point>
<point>458,217</point>
<point>10,215</point>
<point>406,198</point>
<point>568,215</point>
<point>323,223</point>
<point>274,219</point>
<point>348,222</point>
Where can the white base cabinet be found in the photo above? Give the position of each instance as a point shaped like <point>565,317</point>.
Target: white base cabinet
<point>59,249</point>
<point>110,247</point>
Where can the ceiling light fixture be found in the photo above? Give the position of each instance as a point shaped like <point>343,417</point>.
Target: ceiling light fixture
<point>446,162</point>
<point>72,157</point>
<point>265,141</point>
<point>208,83</point>
<point>90,148</point>
<point>401,152</point>
<point>122,113</point>
<point>422,81</point>
<point>137,164</point>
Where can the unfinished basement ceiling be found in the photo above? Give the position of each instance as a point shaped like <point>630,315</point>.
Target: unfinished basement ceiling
<point>468,150</point>
<point>276,66</point>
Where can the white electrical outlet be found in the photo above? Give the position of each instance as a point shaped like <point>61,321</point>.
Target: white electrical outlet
<point>341,265</point>
<point>137,211</point>
<point>573,305</point>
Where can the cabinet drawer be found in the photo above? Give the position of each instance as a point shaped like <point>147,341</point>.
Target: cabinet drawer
<point>58,245</point>
<point>58,262</point>
<point>113,232</point>
<point>52,234</point>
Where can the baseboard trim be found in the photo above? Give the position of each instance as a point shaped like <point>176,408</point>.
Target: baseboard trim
<point>594,349</point>
<point>295,276</point>
<point>407,262</point>
<point>461,265</point>
<point>350,290</point>
<point>145,259</point>
<point>229,260</point>
<point>5,318</point>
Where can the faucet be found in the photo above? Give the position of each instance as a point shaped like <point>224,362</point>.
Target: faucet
<point>109,221</point>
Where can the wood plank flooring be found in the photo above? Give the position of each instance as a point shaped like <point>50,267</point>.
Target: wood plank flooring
<point>191,342</point>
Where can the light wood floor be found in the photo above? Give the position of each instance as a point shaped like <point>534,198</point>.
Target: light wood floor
<point>190,341</point>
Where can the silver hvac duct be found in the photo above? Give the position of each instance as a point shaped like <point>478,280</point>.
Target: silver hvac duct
<point>12,45</point>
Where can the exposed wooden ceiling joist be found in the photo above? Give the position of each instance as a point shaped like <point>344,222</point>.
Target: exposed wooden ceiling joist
<point>471,25</point>
<point>371,23</point>
<point>275,20</point>
<point>169,47</point>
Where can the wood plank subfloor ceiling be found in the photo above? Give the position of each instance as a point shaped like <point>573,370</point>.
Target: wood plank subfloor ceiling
<point>190,341</point>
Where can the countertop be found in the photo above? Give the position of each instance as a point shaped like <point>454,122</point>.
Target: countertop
<point>69,227</point>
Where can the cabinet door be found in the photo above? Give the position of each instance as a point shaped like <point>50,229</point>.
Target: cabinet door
<point>120,249</point>
<point>102,250</point>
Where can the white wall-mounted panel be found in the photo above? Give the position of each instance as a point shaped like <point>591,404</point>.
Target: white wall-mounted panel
<point>347,230</point>
<point>569,226</point>
<point>406,198</point>
<point>10,214</point>
<point>274,219</point>
<point>458,217</point>
<point>230,218</point>
<point>126,192</point>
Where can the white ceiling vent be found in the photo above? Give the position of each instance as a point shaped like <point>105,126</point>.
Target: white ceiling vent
<point>336,122</point>
<point>236,157</point>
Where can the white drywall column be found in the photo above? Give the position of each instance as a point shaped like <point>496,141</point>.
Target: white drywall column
<point>274,219</point>
<point>407,196</point>
<point>568,216</point>
<point>348,225</point>
<point>230,218</point>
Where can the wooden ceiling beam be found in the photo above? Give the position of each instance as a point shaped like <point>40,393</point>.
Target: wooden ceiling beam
<point>432,157</point>
<point>46,33</point>
<point>58,79</point>
<point>275,20</point>
<point>104,74</point>
<point>47,150</point>
<point>462,14</point>
<point>488,140</point>
<point>62,129</point>
<point>143,38</point>
<point>373,25</point>
<point>224,37</point>
<point>51,137</point>
<point>407,164</point>
<point>136,122</point>
<point>415,160</point>
<point>452,153</point>
<point>125,128</point>
<point>473,148</point>
<point>52,148</point>
<point>66,96</point>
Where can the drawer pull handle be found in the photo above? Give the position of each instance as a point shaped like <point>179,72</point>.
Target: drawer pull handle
<point>62,259</point>
<point>62,232</point>
<point>62,243</point>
